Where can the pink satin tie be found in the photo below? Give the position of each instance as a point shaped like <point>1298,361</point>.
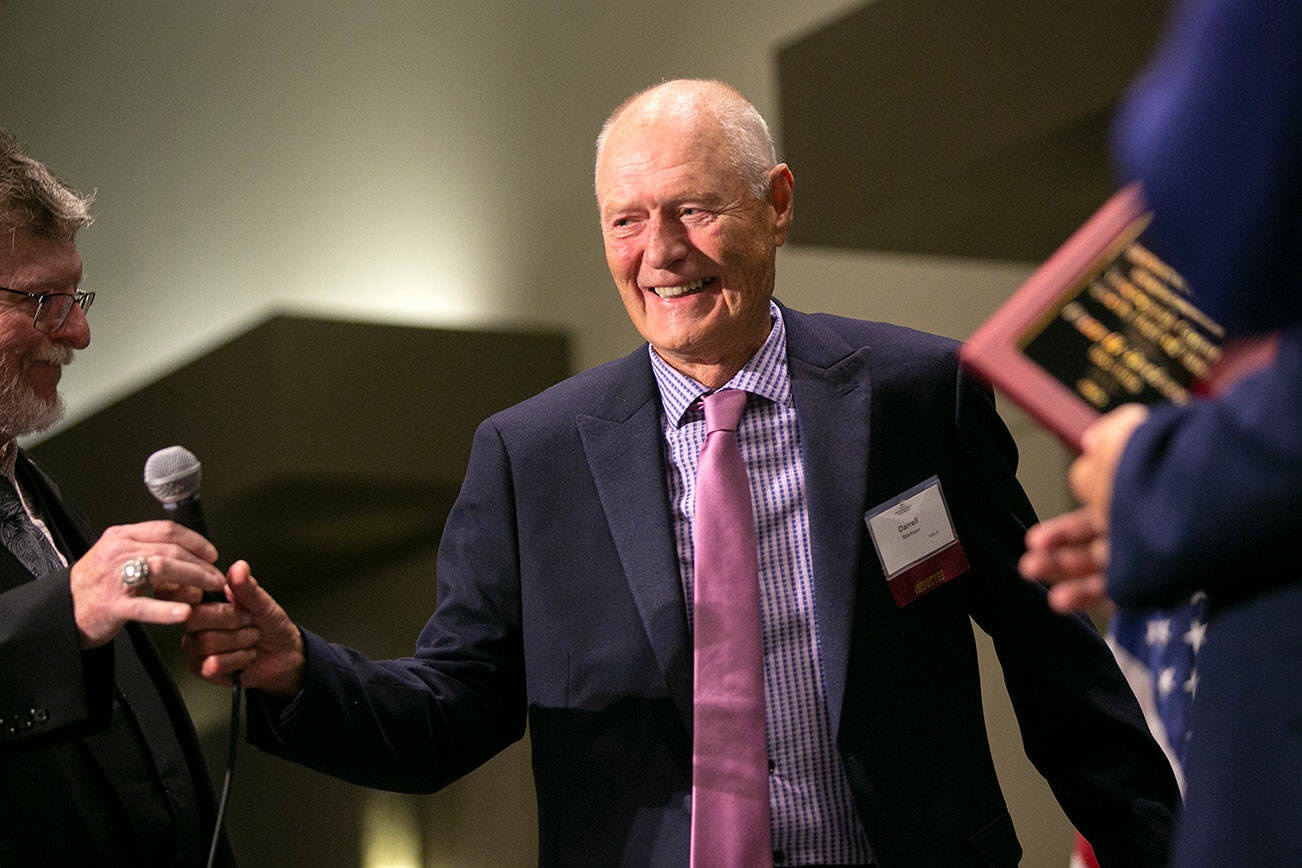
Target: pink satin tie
<point>730,789</point>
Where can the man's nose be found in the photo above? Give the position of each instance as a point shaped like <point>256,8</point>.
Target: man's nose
<point>75,330</point>
<point>666,242</point>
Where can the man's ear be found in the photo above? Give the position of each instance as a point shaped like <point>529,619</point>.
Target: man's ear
<point>781,188</point>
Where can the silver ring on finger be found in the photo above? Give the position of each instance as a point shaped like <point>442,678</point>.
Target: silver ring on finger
<point>135,572</point>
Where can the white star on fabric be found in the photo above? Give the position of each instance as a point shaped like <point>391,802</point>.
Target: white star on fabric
<point>1191,684</point>
<point>1159,631</point>
<point>1166,681</point>
<point>1196,636</point>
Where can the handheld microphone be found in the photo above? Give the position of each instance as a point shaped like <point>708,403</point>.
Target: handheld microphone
<point>172,476</point>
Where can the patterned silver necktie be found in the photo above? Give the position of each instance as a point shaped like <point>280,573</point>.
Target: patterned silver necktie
<point>21,537</point>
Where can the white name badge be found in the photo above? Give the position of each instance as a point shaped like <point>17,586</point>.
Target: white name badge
<point>911,528</point>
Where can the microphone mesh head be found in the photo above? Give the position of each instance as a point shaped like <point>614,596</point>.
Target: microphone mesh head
<point>172,474</point>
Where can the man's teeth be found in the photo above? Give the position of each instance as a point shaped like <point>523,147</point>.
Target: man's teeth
<point>685,289</point>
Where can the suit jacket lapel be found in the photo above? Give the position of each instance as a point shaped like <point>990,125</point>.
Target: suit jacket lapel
<point>830,385</point>
<point>71,535</point>
<point>69,527</point>
<point>831,390</point>
<point>624,446</point>
<point>12,571</point>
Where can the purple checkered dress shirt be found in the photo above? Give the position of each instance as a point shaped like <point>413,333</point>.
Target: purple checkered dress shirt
<point>812,811</point>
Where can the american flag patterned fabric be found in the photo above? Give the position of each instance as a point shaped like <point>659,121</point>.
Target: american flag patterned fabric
<point>1157,650</point>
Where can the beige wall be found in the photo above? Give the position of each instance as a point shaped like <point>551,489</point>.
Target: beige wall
<point>416,162</point>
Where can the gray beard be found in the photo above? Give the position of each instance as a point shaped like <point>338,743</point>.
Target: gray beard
<point>22,411</point>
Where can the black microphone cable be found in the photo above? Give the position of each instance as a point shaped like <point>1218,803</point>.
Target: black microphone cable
<point>237,693</point>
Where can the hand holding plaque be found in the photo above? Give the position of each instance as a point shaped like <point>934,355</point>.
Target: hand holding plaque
<point>1103,322</point>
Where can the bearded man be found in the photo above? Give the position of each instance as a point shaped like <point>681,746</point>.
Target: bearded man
<point>99,763</point>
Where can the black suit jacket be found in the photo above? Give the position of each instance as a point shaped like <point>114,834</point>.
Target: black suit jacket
<point>560,600</point>
<point>99,764</point>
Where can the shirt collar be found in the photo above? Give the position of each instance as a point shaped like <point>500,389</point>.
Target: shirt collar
<point>764,374</point>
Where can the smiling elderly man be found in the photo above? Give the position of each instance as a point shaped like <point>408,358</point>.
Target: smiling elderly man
<point>98,762</point>
<point>806,710</point>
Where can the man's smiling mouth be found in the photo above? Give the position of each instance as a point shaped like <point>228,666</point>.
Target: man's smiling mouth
<point>685,289</point>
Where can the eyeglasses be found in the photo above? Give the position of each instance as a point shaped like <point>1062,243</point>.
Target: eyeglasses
<point>52,308</point>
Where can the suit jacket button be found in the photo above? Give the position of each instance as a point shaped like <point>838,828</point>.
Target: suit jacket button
<point>41,715</point>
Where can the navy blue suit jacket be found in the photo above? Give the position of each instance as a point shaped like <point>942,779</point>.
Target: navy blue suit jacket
<point>1209,496</point>
<point>560,602</point>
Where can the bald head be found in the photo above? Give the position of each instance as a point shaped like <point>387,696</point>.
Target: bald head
<point>696,106</point>
<point>693,209</point>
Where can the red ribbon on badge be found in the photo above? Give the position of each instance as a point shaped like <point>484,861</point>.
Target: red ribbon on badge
<point>928,574</point>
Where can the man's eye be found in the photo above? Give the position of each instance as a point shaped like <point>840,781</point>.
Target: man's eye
<point>623,226</point>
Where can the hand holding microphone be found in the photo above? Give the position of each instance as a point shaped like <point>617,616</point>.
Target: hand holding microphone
<point>108,583</point>
<point>172,476</point>
<point>252,637</point>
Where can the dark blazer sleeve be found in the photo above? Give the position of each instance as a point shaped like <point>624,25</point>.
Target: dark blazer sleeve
<point>920,765</point>
<point>559,600</point>
<point>1207,496</point>
<point>49,688</point>
<point>417,723</point>
<point>1081,725</point>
